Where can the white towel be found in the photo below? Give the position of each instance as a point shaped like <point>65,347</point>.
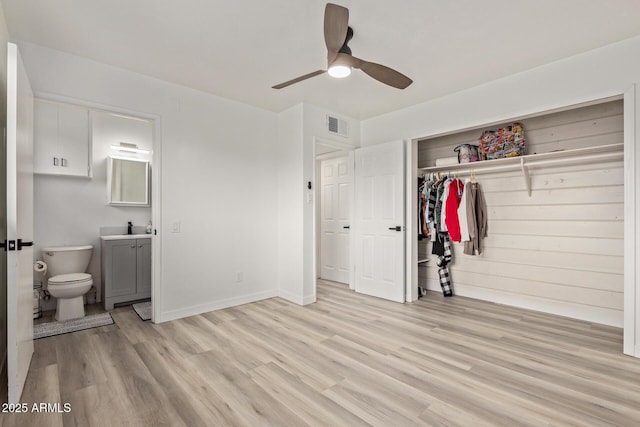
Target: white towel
<point>447,161</point>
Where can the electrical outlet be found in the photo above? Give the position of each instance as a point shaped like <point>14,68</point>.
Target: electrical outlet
<point>239,277</point>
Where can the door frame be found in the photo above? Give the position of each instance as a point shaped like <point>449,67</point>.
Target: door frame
<point>341,148</point>
<point>156,187</point>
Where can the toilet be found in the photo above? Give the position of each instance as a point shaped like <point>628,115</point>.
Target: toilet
<point>68,282</point>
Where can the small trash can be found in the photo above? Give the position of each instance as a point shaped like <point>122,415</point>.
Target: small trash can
<point>37,308</point>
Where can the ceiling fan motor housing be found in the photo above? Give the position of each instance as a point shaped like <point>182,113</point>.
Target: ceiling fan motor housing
<point>346,49</point>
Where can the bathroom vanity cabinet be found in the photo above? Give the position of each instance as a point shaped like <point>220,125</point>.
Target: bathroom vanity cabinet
<point>126,269</point>
<point>61,139</point>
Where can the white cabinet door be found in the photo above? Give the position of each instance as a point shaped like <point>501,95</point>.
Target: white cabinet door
<point>45,137</point>
<point>73,140</point>
<point>19,205</point>
<point>379,221</point>
<point>334,226</point>
<point>62,143</point>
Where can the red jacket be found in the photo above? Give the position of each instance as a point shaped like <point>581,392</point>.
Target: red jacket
<point>451,209</point>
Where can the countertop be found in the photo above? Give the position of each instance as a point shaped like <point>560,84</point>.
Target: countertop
<point>126,236</point>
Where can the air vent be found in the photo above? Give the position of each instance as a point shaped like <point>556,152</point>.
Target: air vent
<point>337,126</point>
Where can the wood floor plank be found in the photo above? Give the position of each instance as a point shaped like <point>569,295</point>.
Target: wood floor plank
<point>252,404</point>
<point>131,326</point>
<point>42,386</point>
<point>308,403</point>
<point>79,369</point>
<point>195,398</point>
<point>137,392</point>
<point>347,360</point>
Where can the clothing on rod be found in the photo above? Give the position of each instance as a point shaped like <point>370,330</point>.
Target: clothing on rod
<point>476,209</point>
<point>451,210</point>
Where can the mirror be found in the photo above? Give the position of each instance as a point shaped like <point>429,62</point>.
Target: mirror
<point>128,181</point>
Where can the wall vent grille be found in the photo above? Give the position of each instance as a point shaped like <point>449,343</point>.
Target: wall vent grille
<point>337,126</point>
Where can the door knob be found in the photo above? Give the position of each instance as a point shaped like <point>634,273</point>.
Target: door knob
<point>22,244</point>
<point>396,228</point>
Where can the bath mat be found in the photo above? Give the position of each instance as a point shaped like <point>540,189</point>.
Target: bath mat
<point>50,329</point>
<point>143,310</point>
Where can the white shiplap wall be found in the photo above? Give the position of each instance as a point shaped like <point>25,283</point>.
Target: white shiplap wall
<point>560,250</point>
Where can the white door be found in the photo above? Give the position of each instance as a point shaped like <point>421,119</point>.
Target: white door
<point>335,193</point>
<point>19,223</point>
<point>379,221</point>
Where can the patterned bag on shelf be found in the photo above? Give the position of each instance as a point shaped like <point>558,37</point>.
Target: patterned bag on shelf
<point>504,142</point>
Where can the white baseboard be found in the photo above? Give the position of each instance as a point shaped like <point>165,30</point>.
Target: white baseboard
<point>575,311</point>
<point>215,305</point>
<point>296,299</point>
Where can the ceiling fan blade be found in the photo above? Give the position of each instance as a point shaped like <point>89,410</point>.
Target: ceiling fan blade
<point>381,73</point>
<point>336,23</point>
<point>298,79</point>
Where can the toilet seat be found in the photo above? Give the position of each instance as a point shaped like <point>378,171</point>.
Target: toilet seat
<point>69,279</point>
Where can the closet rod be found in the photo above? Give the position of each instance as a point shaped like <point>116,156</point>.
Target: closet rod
<point>581,155</point>
<point>484,168</point>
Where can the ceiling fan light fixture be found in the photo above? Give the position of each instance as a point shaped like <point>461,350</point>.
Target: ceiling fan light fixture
<point>339,71</point>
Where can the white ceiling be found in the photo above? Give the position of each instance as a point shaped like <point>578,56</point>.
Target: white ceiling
<point>238,49</point>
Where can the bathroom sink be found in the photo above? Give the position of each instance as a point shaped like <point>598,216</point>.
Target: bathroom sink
<point>126,236</point>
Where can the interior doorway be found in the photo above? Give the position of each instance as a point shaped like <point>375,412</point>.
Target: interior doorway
<point>333,210</point>
<point>335,186</point>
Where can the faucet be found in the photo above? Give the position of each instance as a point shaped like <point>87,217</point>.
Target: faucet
<point>129,228</point>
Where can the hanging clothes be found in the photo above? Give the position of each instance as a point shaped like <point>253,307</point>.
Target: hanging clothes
<point>432,195</point>
<point>437,204</point>
<point>422,210</point>
<point>476,219</point>
<point>443,210</point>
<point>442,262</point>
<point>452,202</point>
<point>462,214</point>
<point>424,201</point>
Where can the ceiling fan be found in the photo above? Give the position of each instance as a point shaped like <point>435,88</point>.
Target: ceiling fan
<point>340,61</point>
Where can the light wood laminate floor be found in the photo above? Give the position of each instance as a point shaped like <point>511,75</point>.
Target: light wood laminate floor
<point>348,360</point>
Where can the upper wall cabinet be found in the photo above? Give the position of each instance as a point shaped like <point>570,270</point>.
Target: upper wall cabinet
<point>62,143</point>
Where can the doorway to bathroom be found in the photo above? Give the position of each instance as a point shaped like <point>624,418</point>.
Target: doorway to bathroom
<point>110,204</point>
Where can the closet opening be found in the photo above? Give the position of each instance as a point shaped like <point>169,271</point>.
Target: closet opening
<point>555,216</point>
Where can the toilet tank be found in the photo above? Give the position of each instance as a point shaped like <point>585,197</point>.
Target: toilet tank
<point>66,259</point>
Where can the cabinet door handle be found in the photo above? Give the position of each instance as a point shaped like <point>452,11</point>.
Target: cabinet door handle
<point>133,246</point>
<point>139,246</point>
<point>55,161</point>
<point>63,162</point>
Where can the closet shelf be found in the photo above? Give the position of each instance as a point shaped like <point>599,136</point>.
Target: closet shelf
<point>578,155</point>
